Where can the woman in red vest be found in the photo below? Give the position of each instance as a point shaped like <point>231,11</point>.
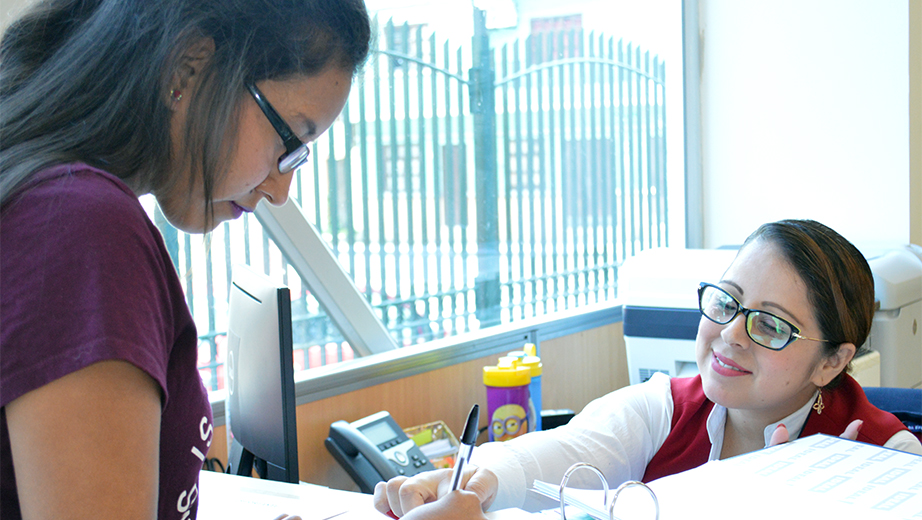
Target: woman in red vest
<point>776,337</point>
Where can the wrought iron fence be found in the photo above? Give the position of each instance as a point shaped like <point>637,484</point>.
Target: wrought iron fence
<point>464,187</point>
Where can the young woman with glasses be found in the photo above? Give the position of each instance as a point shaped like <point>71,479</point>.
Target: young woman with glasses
<point>776,336</point>
<point>209,105</point>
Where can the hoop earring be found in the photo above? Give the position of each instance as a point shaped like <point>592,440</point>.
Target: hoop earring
<point>175,95</point>
<point>818,405</point>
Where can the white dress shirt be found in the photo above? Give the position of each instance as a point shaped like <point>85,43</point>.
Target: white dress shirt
<point>618,433</point>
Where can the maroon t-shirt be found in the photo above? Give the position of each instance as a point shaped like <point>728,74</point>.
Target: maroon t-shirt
<point>85,277</point>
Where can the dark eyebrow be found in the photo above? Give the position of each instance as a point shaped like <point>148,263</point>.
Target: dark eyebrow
<point>789,313</point>
<point>767,304</point>
<point>738,288</point>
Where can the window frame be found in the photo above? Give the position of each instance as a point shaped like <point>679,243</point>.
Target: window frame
<point>367,334</point>
<point>348,376</point>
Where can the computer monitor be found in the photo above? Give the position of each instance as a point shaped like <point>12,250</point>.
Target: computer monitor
<point>260,407</point>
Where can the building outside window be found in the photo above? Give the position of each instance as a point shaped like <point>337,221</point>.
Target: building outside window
<point>486,169</point>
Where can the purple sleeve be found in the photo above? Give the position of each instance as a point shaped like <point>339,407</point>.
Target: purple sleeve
<point>83,280</point>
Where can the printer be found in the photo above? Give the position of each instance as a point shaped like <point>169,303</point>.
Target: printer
<point>658,288</point>
<point>896,333</point>
<point>659,291</point>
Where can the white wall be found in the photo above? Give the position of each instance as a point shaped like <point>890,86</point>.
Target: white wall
<point>805,114</point>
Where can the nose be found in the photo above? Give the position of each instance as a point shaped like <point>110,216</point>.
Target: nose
<point>276,188</point>
<point>734,333</point>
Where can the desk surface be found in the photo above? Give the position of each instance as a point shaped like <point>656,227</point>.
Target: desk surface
<point>231,496</point>
<point>224,496</point>
<point>813,477</point>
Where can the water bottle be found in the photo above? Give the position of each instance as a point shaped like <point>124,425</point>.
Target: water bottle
<point>507,399</point>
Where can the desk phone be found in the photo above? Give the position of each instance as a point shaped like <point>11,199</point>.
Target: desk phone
<point>374,449</point>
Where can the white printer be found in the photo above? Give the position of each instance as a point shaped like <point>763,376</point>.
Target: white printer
<point>659,291</point>
<point>896,333</point>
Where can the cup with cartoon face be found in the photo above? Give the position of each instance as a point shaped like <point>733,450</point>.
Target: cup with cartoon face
<point>508,421</point>
<point>507,400</point>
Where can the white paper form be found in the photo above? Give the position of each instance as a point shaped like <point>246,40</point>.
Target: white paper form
<point>225,497</point>
<point>862,476</point>
<point>814,477</point>
<point>229,496</point>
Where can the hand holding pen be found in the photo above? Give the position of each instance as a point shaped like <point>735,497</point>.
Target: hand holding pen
<point>426,493</point>
<point>468,439</point>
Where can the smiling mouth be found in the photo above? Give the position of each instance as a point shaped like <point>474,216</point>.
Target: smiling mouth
<point>728,366</point>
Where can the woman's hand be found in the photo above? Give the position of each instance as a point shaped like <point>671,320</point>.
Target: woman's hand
<point>851,431</point>
<point>457,505</point>
<point>400,495</point>
<point>781,435</point>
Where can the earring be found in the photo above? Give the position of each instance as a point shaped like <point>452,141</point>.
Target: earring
<point>818,405</point>
<point>175,95</point>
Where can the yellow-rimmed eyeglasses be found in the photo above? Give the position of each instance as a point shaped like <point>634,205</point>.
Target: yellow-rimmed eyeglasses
<point>766,329</point>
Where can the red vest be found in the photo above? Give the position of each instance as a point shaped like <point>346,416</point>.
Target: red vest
<point>688,445</point>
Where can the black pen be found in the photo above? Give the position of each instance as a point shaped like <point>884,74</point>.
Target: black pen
<point>468,438</point>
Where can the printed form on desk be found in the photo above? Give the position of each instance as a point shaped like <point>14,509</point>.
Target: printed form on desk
<point>226,497</point>
<point>814,477</point>
<point>222,496</point>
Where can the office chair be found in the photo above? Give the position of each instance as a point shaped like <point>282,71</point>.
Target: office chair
<point>904,403</point>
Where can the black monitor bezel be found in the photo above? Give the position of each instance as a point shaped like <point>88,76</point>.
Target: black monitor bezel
<point>257,303</point>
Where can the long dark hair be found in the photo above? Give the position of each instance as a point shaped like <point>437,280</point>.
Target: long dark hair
<point>86,80</point>
<point>840,285</point>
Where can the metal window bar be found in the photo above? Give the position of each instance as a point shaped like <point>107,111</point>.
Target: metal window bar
<point>580,148</point>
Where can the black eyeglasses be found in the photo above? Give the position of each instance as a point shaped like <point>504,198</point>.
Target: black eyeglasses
<point>296,150</point>
<point>766,329</point>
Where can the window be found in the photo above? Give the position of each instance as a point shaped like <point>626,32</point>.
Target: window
<point>494,177</point>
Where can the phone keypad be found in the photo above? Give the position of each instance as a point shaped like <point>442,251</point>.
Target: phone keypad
<point>418,461</point>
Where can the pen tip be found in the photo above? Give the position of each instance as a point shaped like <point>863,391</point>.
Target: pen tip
<point>469,436</point>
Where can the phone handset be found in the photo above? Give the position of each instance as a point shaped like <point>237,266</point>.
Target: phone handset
<point>354,443</point>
